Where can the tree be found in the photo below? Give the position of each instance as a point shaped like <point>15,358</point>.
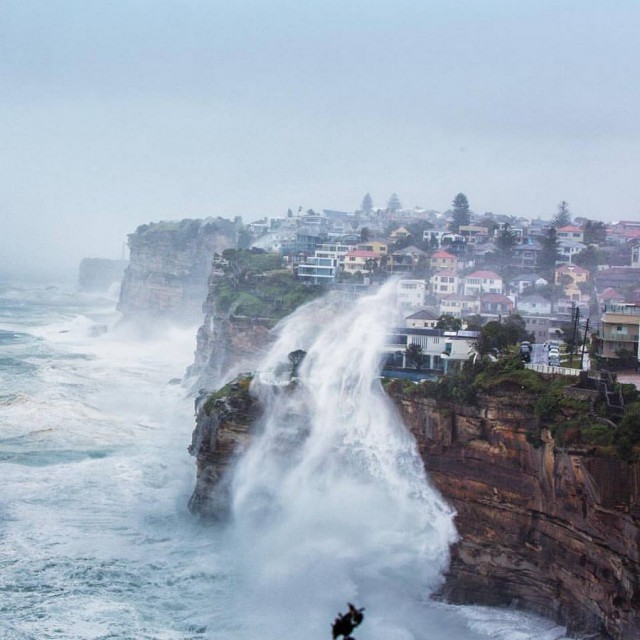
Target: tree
<point>461,214</point>
<point>449,323</point>
<point>413,354</point>
<point>590,258</point>
<point>295,358</point>
<point>365,234</point>
<point>515,329</point>
<point>562,218</point>
<point>367,204</point>
<point>550,254</point>
<point>595,232</point>
<point>394,203</point>
<point>506,241</point>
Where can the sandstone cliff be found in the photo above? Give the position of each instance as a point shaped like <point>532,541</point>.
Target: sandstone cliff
<point>169,266</point>
<point>248,293</point>
<point>553,530</point>
<point>556,530</point>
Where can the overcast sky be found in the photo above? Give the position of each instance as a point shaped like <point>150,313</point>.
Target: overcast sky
<point>114,113</point>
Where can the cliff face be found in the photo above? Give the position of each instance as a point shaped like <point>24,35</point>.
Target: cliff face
<point>556,531</point>
<point>225,343</point>
<point>169,266</point>
<point>224,424</point>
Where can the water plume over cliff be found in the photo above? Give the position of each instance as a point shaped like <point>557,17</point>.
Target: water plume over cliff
<point>331,501</point>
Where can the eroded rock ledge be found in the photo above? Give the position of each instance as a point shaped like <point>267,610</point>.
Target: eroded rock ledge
<point>553,530</point>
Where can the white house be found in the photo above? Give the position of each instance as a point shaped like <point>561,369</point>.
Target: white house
<point>411,293</point>
<point>445,282</point>
<point>482,282</point>
<point>534,305</point>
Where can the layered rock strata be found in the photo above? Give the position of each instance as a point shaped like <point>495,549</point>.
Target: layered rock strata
<point>169,266</point>
<point>552,530</point>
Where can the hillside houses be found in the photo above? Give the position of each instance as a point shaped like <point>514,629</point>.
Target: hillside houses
<point>464,273</point>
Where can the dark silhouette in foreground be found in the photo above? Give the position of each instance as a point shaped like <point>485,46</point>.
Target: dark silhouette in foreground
<point>344,624</point>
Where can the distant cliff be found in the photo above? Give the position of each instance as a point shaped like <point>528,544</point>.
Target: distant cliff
<point>99,274</point>
<point>555,529</point>
<point>169,266</point>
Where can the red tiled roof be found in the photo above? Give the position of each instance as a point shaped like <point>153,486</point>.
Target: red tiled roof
<point>570,228</point>
<point>487,275</point>
<point>571,268</point>
<point>443,254</point>
<point>495,297</point>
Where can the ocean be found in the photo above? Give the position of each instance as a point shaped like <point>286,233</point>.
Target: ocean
<point>96,541</point>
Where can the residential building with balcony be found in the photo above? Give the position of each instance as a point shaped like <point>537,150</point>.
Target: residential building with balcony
<point>443,260</point>
<point>619,330</point>
<point>482,282</point>
<point>459,306</point>
<point>411,293</point>
<point>445,282</point>
<point>570,232</point>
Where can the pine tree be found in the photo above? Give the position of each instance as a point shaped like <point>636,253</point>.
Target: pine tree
<point>549,254</point>
<point>394,203</point>
<point>461,213</point>
<point>563,216</point>
<point>367,204</point>
<point>506,241</point>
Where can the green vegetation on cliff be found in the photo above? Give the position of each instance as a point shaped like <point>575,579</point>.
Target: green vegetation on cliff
<point>256,285</point>
<point>574,416</point>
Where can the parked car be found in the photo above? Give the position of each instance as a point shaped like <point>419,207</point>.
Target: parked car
<point>554,356</point>
<point>525,351</point>
<point>554,361</point>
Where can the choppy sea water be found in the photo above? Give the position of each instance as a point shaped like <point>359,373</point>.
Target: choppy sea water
<point>95,538</point>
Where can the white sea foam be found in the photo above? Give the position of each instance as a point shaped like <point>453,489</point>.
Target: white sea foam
<point>96,541</point>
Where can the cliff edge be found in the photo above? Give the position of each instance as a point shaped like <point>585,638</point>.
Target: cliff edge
<point>169,266</point>
<point>553,528</point>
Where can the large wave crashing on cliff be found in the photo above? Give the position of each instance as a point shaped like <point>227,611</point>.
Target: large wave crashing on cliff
<point>331,502</point>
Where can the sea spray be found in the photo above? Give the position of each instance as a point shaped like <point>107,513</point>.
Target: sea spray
<point>331,502</point>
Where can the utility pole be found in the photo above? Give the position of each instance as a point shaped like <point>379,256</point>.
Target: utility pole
<point>576,320</point>
<point>584,343</point>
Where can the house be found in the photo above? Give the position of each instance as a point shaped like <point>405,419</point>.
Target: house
<point>525,281</point>
<point>610,296</point>
<point>459,306</point>
<point>482,282</point>
<point>321,268</point>
<point>635,256</point>
<point>438,347</point>
<point>376,246</point>
<point>474,234</point>
<point>572,271</point>
<point>404,260</point>
<point>400,233</point>
<point>526,252</point>
<point>534,304</point>
<point>495,304</point>
<point>445,282</point>
<point>570,276</point>
<point>620,327</point>
<point>570,232</point>
<point>411,293</point>
<point>542,327</point>
<point>443,260</point>
<point>570,248</point>
<point>363,261</point>
<point>423,319</point>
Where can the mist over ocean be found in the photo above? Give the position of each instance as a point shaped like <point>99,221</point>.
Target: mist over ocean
<point>95,538</point>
